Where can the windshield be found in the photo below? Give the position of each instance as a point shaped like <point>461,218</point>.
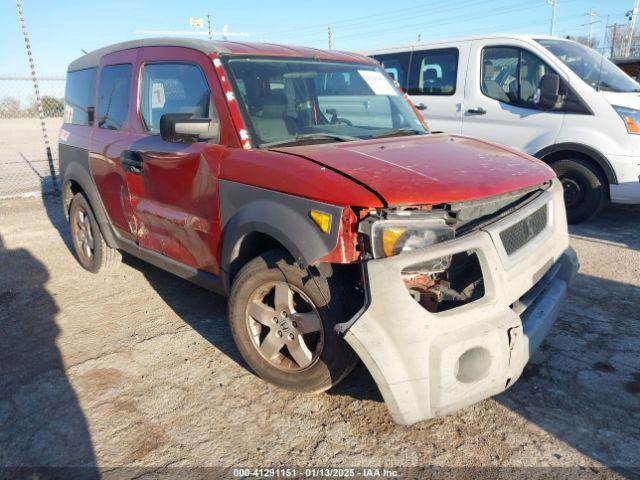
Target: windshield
<point>304,101</point>
<point>591,66</point>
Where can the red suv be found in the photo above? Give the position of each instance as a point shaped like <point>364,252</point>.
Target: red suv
<point>304,186</point>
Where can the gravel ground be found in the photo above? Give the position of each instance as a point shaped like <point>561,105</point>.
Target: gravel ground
<point>138,369</point>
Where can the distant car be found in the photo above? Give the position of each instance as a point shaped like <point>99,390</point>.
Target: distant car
<point>552,98</point>
<point>301,184</point>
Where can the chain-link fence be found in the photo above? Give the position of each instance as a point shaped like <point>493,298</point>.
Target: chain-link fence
<point>24,167</point>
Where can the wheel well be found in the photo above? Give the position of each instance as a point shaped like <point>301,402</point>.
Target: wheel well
<point>249,247</point>
<point>69,190</point>
<point>553,157</point>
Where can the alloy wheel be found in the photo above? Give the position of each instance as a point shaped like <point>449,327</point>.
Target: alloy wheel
<point>285,326</point>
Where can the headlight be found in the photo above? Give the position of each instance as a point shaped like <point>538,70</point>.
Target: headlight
<point>630,117</point>
<point>392,237</point>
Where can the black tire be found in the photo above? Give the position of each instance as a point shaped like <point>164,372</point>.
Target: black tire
<point>102,258</point>
<point>334,360</point>
<point>585,189</point>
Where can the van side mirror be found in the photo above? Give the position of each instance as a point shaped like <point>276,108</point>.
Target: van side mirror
<point>548,93</point>
<point>185,128</point>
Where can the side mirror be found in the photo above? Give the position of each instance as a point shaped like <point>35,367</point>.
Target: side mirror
<point>185,128</point>
<point>548,93</point>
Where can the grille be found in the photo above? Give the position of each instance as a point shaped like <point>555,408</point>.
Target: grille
<point>518,235</point>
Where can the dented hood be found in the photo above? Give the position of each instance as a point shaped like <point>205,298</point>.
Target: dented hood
<point>429,169</point>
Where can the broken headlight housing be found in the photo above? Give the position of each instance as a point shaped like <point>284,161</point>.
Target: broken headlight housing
<point>395,236</point>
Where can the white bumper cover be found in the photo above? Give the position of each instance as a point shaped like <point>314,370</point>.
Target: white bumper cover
<point>427,365</point>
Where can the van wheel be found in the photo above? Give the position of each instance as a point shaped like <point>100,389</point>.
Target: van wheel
<point>584,189</point>
<point>92,251</point>
<point>282,320</point>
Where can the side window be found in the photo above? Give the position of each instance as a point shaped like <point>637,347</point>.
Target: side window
<point>532,69</point>
<point>174,88</point>
<point>434,72</point>
<point>512,75</point>
<point>396,65</point>
<point>78,97</point>
<point>113,97</point>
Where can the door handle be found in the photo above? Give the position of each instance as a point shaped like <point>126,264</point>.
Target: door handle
<point>421,106</point>
<point>131,161</point>
<point>477,111</point>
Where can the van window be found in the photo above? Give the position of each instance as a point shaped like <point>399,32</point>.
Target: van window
<point>78,96</point>
<point>113,97</point>
<point>396,65</point>
<point>174,88</point>
<point>512,75</point>
<point>433,72</point>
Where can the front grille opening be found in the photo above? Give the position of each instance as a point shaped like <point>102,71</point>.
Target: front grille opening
<point>519,234</point>
<point>445,283</point>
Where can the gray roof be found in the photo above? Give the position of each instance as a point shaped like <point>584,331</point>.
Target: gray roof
<point>92,59</point>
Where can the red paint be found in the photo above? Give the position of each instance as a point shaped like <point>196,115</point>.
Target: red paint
<point>430,169</point>
<point>173,206</point>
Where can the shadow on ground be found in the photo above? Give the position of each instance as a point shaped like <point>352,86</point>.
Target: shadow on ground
<point>41,422</point>
<point>617,224</point>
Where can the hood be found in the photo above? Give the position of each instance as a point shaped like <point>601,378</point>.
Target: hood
<point>623,99</point>
<point>429,169</point>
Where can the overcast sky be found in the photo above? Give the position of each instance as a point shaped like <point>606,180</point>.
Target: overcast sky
<point>60,29</point>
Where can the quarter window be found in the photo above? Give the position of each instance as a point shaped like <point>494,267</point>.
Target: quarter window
<point>512,75</point>
<point>113,98</point>
<point>174,88</point>
<point>433,72</point>
<point>78,97</point>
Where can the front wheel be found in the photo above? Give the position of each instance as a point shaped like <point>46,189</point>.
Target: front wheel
<point>282,321</point>
<point>584,187</point>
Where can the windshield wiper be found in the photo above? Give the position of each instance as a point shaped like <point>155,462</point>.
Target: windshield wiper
<point>309,136</point>
<point>398,132</point>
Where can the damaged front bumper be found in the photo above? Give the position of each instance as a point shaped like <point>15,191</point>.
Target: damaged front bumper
<point>430,364</point>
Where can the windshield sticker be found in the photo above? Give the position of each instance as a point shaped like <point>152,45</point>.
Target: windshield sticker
<point>157,95</point>
<point>377,82</point>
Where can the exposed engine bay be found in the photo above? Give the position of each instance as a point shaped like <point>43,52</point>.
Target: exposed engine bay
<point>449,281</point>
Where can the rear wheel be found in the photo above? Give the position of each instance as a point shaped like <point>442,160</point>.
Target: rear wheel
<point>92,251</point>
<point>282,320</point>
<point>584,188</point>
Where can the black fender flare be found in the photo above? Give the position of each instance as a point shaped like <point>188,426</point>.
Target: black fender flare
<point>283,217</point>
<point>585,150</point>
<point>77,173</point>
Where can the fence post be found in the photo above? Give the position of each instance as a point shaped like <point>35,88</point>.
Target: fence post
<point>34,77</point>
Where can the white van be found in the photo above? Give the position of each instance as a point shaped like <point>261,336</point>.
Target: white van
<point>549,97</point>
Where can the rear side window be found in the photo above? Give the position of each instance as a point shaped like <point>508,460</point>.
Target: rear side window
<point>433,72</point>
<point>175,88</point>
<point>113,98</point>
<point>78,97</point>
<point>396,65</point>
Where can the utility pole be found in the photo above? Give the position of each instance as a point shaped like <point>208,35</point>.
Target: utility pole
<point>591,15</point>
<point>633,16</point>
<point>554,6</point>
<point>209,25</point>
<point>36,88</point>
<point>329,36</point>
